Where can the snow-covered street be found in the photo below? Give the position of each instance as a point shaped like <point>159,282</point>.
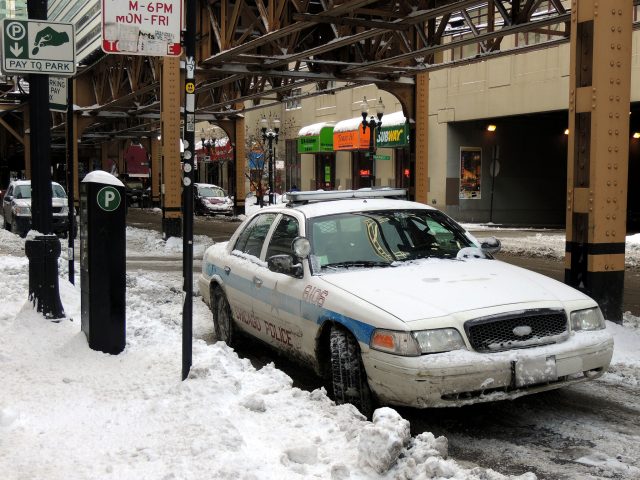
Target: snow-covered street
<point>68,412</point>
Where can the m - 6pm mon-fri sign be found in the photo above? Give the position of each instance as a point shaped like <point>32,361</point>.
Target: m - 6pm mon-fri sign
<point>30,46</point>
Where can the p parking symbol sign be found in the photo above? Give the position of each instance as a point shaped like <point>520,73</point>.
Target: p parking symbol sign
<point>109,199</point>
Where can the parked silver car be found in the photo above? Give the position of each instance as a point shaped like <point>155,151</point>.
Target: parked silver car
<point>16,208</point>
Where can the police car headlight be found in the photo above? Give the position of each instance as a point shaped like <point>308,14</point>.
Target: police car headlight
<point>20,210</point>
<point>440,340</point>
<point>399,343</point>
<point>589,319</point>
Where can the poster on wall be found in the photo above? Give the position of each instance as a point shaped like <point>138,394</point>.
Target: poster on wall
<point>470,172</point>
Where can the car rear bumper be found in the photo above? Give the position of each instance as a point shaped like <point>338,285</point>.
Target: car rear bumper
<point>462,377</point>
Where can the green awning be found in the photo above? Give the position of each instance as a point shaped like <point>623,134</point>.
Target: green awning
<point>316,138</point>
<point>394,131</point>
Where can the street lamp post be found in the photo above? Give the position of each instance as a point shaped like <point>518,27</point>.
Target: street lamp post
<point>270,131</point>
<point>372,124</point>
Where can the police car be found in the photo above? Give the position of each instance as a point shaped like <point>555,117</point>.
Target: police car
<point>395,303</point>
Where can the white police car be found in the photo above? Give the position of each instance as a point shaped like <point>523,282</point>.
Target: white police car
<point>393,302</point>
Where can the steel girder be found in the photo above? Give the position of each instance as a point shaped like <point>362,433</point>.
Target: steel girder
<point>252,50</point>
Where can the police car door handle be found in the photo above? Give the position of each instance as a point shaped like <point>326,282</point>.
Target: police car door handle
<point>257,282</point>
<point>227,270</point>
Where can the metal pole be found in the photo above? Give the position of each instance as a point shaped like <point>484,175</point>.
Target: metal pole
<point>70,178</point>
<point>270,139</point>
<point>372,175</point>
<point>187,190</point>
<point>43,250</point>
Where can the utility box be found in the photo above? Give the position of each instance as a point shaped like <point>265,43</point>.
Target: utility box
<point>103,261</point>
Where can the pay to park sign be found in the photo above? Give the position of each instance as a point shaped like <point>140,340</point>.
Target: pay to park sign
<point>31,46</point>
<point>141,27</point>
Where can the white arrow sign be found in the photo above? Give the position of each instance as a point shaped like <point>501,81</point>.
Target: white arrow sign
<point>16,49</point>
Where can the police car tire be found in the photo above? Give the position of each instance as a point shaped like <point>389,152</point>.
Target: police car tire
<point>222,319</point>
<point>348,377</point>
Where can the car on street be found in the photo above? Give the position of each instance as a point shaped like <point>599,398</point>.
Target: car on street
<point>16,208</point>
<point>137,195</point>
<point>393,302</point>
<point>211,200</point>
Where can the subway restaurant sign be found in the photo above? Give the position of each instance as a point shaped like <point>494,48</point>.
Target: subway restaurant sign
<point>317,143</point>
<point>393,136</point>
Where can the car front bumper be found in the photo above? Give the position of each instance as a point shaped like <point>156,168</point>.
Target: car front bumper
<point>462,377</point>
<point>59,224</point>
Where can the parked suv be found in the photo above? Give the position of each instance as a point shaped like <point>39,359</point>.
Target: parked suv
<point>16,208</point>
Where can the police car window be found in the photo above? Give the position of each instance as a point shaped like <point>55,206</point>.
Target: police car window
<point>252,237</point>
<point>283,236</point>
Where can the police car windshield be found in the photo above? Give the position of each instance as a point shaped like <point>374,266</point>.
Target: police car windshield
<point>382,237</point>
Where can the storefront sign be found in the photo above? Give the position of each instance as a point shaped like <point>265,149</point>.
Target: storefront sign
<point>393,136</point>
<point>317,143</point>
<point>351,140</point>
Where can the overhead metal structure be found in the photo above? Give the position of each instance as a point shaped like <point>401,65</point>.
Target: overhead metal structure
<point>261,51</point>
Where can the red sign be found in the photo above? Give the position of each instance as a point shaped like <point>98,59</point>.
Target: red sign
<point>136,161</point>
<point>141,27</point>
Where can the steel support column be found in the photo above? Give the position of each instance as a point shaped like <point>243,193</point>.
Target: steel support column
<point>598,150</point>
<point>239,164</point>
<point>170,138</point>
<point>422,137</point>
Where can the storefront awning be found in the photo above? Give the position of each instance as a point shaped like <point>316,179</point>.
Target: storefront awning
<point>348,135</point>
<point>394,131</point>
<point>316,138</point>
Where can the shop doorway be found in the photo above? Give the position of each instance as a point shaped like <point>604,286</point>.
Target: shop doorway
<point>325,171</point>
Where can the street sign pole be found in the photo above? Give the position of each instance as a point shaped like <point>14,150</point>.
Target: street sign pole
<point>187,190</point>
<point>43,251</point>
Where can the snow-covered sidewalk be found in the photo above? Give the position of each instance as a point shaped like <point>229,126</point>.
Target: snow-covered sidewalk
<point>68,412</point>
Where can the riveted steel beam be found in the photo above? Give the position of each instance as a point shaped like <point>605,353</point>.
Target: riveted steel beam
<point>598,153</point>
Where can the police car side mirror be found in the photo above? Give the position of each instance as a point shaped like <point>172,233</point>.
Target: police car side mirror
<point>286,264</point>
<point>491,245</point>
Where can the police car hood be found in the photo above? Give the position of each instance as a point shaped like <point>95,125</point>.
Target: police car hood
<point>436,287</point>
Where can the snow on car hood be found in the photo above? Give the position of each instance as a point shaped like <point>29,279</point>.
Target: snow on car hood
<point>435,287</point>
<point>26,202</point>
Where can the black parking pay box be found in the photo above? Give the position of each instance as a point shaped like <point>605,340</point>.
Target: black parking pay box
<point>102,261</point>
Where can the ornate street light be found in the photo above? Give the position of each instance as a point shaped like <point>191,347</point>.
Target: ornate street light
<point>270,130</point>
<point>372,124</point>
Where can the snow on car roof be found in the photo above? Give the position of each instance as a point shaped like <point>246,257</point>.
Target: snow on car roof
<point>356,205</point>
<point>28,182</point>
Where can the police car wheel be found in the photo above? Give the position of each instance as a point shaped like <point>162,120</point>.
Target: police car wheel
<point>348,377</point>
<point>222,319</point>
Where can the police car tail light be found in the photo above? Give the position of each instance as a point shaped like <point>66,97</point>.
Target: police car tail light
<point>440,340</point>
<point>400,343</point>
<point>589,319</point>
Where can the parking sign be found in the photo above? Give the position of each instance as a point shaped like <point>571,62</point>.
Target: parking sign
<point>141,27</point>
<point>30,46</point>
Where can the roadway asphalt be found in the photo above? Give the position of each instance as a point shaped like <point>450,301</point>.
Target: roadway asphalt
<point>220,229</point>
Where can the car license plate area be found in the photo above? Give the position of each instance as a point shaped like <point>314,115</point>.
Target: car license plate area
<point>530,371</point>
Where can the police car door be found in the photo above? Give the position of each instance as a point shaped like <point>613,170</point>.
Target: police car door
<point>279,295</point>
<point>242,269</point>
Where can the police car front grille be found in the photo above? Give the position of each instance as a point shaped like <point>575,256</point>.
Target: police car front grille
<point>523,329</point>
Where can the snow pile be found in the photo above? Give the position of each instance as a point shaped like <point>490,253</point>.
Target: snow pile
<point>545,244</point>
<point>68,412</point>
<point>149,242</point>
